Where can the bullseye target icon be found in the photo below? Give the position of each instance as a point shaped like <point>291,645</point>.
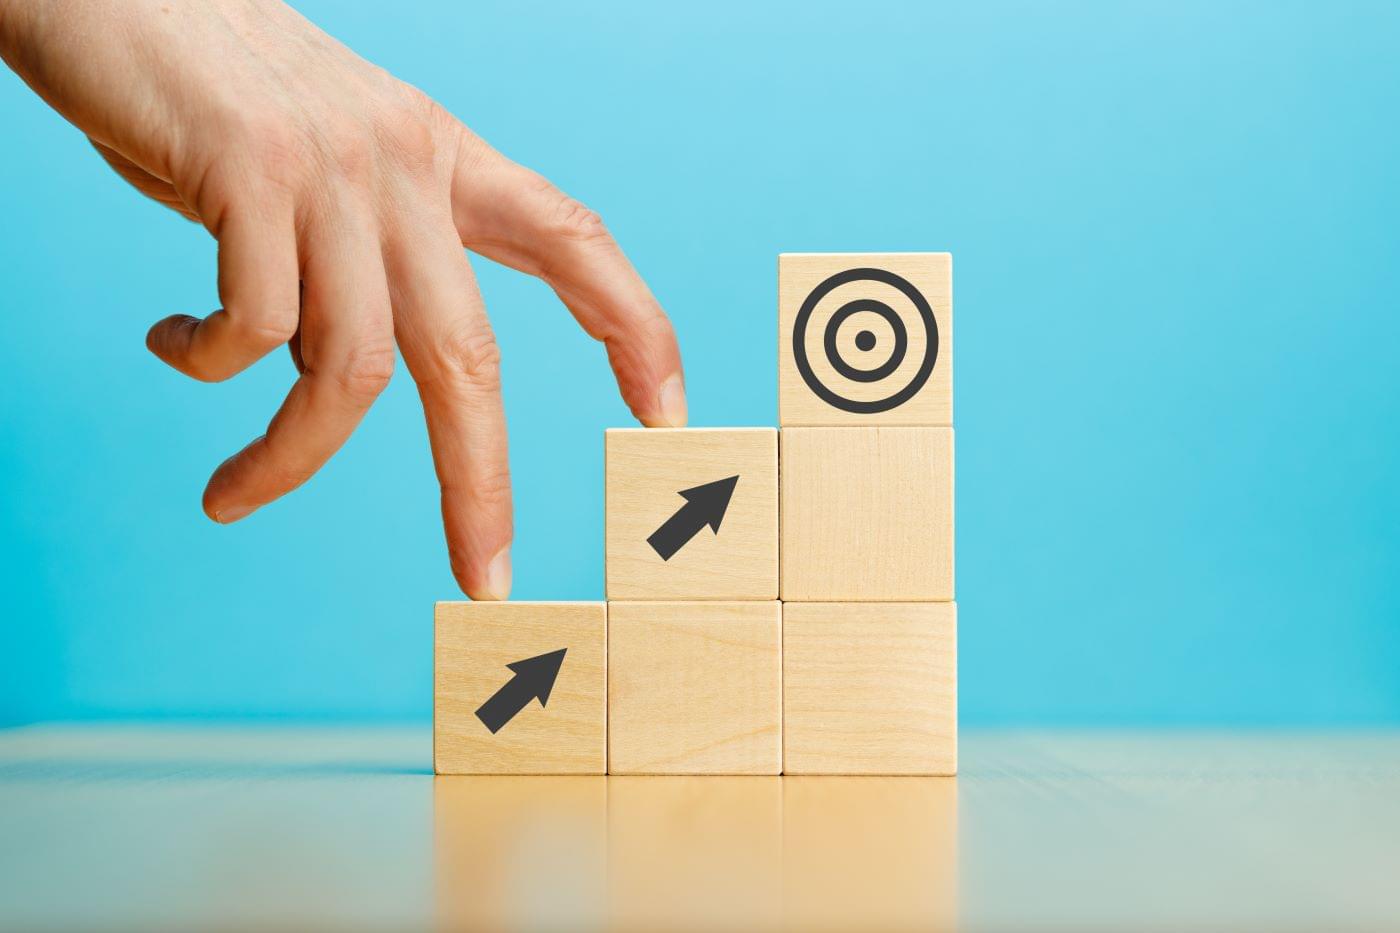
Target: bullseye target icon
<point>852,336</point>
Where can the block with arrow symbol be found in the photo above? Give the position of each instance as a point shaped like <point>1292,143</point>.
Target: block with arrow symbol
<point>692,513</point>
<point>520,688</point>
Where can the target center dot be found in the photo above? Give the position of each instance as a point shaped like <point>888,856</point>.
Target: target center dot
<point>865,340</point>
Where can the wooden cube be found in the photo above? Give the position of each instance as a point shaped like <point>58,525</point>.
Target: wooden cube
<point>867,514</point>
<point>865,338</point>
<point>870,688</point>
<point>692,513</point>
<point>695,688</point>
<point>520,688</point>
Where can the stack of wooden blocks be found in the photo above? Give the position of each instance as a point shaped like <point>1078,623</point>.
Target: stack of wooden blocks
<point>777,601</point>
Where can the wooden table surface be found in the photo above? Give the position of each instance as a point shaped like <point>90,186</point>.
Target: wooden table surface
<point>237,828</point>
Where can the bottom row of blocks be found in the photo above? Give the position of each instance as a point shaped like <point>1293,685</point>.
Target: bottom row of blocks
<point>696,688</point>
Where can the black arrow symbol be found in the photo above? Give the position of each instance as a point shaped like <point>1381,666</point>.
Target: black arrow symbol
<point>704,505</point>
<point>534,677</point>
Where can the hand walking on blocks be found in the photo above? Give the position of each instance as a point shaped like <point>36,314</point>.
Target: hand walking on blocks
<point>694,666</point>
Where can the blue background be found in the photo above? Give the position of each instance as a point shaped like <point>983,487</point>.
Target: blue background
<point>1178,313</point>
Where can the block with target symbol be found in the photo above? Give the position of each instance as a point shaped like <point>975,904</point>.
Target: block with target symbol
<point>692,513</point>
<point>865,338</point>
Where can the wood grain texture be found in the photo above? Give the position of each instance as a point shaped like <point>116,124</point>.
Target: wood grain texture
<point>867,514</point>
<point>695,688</point>
<point>646,469</point>
<point>930,274</point>
<point>870,688</point>
<point>474,643</point>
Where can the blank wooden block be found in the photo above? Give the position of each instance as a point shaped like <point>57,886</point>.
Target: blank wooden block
<point>545,723</point>
<point>867,514</point>
<point>695,688</point>
<point>870,688</point>
<point>865,338</point>
<point>662,542</point>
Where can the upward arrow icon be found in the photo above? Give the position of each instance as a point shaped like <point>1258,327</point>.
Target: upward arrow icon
<point>704,505</point>
<point>534,679</point>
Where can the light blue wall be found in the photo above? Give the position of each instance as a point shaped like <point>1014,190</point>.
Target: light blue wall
<point>1178,319</point>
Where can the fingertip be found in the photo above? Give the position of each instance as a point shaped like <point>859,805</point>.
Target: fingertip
<point>231,514</point>
<point>491,584</point>
<point>498,575</point>
<point>218,505</point>
<point>672,410</point>
<point>158,338</point>
<point>225,513</point>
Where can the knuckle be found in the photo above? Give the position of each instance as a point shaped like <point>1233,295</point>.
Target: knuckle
<point>286,474</point>
<point>470,354</point>
<point>281,468</point>
<point>267,330</point>
<point>350,152</point>
<point>202,371</point>
<point>492,496</point>
<point>404,130</point>
<point>571,220</point>
<point>271,147</point>
<point>366,372</point>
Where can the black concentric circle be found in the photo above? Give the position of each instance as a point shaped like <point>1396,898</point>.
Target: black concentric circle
<point>883,371</point>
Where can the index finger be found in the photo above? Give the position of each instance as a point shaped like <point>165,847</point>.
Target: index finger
<point>514,216</point>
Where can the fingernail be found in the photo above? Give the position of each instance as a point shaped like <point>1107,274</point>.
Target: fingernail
<point>233,513</point>
<point>673,408</point>
<point>498,575</point>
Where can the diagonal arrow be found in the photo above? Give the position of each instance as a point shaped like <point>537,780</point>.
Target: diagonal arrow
<point>704,505</point>
<point>534,677</point>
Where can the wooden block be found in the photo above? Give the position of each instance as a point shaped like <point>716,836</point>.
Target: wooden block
<point>870,688</point>
<point>679,523</point>
<point>695,688</point>
<point>867,514</point>
<point>865,338</point>
<point>506,702</point>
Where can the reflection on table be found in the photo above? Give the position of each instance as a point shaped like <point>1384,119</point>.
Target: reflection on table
<point>695,853</point>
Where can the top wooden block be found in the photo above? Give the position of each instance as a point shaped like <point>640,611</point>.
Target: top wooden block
<point>865,339</point>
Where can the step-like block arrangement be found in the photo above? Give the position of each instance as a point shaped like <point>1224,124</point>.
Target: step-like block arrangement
<point>670,494</point>
<point>694,666</point>
<point>494,664</point>
<point>867,514</point>
<point>696,688</point>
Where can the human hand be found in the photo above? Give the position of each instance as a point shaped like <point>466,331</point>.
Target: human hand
<point>341,199</point>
